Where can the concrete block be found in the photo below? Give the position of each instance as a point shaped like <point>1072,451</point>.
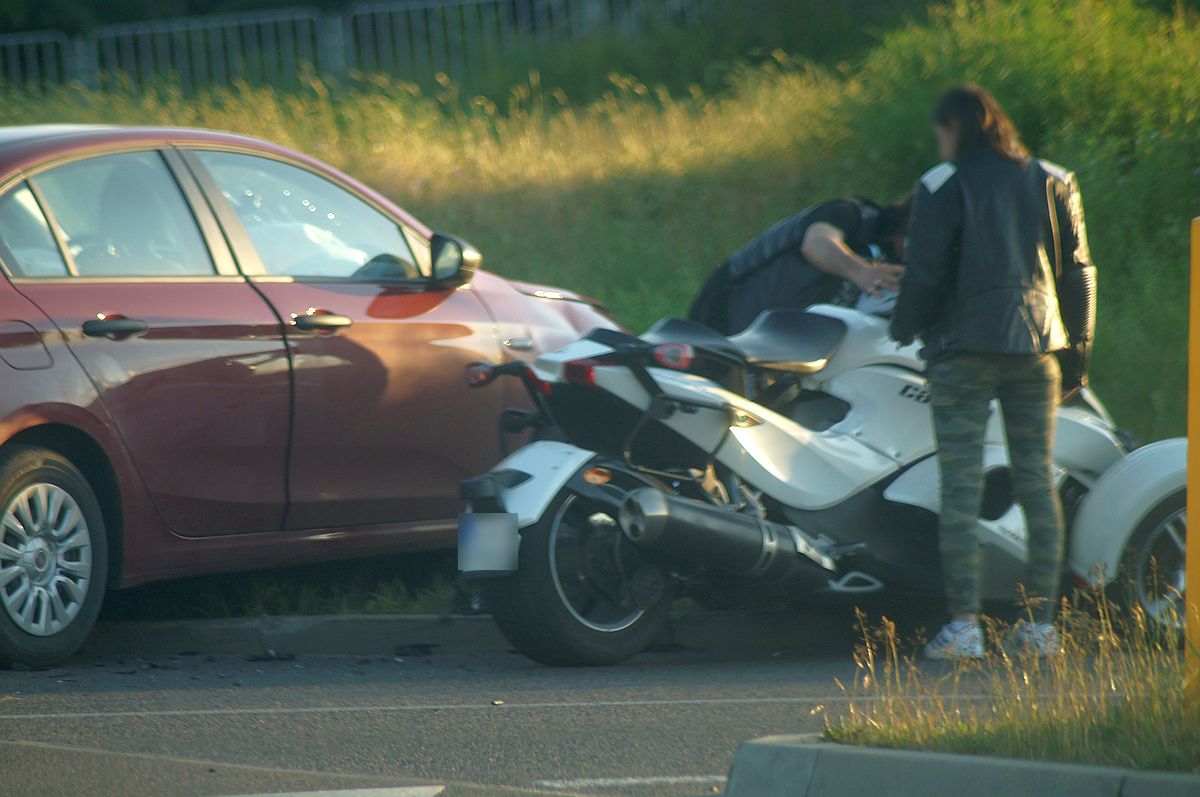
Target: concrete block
<point>774,766</point>
<point>1160,784</point>
<point>845,771</point>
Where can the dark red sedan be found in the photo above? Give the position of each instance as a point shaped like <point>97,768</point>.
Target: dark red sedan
<point>219,354</point>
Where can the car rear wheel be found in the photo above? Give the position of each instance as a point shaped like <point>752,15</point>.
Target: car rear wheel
<point>53,557</point>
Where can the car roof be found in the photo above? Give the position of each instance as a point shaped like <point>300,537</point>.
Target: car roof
<point>18,133</point>
<point>24,147</point>
<point>17,142</point>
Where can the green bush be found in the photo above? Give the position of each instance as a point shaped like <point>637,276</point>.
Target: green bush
<point>636,196</point>
<point>1112,91</point>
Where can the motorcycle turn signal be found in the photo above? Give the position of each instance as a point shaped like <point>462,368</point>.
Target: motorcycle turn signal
<point>479,374</point>
<point>674,355</point>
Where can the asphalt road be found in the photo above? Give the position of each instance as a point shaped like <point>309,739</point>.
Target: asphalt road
<point>665,724</point>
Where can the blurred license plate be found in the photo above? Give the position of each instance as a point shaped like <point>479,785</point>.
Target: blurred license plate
<point>487,543</point>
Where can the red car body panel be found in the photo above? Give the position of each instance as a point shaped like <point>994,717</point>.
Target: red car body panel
<point>201,401</point>
<point>223,437</point>
<point>382,427</point>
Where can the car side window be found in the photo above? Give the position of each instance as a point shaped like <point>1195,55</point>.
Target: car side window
<point>125,216</point>
<point>303,225</point>
<point>28,248</point>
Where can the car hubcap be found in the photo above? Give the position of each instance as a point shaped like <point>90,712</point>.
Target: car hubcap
<point>586,573</point>
<point>1161,574</point>
<point>45,559</point>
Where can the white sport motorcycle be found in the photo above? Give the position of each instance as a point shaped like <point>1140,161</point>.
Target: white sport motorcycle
<point>797,456</point>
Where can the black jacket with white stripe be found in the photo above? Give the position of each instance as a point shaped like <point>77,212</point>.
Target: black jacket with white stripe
<point>997,261</point>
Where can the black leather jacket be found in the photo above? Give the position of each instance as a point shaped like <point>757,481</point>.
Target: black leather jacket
<point>770,272</point>
<point>997,261</point>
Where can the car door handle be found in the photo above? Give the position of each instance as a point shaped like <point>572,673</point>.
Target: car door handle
<point>114,327</point>
<point>321,321</point>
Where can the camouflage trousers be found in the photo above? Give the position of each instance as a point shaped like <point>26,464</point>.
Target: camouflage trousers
<point>1028,390</point>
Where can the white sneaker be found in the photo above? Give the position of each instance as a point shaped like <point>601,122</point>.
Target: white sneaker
<point>1039,639</point>
<point>956,641</point>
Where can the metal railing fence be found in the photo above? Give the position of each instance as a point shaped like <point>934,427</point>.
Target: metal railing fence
<point>266,47</point>
<point>408,39</point>
<point>35,59</point>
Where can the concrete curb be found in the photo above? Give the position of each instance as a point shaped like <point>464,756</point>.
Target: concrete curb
<point>735,632</point>
<point>801,766</point>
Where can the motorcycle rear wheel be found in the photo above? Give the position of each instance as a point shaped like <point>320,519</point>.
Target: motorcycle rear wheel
<point>558,609</point>
<point>1153,568</point>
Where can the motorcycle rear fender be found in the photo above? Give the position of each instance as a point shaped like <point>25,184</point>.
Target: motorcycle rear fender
<point>1119,501</point>
<point>549,465</point>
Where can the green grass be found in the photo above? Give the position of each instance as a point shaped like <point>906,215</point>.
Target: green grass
<point>636,196</point>
<point>1115,698</point>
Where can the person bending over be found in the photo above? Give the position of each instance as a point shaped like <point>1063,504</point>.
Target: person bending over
<point>806,259</point>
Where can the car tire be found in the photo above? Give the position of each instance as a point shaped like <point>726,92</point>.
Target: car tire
<point>53,557</point>
<point>1151,538</point>
<point>535,617</point>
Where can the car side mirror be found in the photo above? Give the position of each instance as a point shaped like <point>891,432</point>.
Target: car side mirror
<point>454,260</point>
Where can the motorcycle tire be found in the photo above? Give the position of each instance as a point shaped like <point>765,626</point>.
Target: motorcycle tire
<point>535,615</point>
<point>1137,564</point>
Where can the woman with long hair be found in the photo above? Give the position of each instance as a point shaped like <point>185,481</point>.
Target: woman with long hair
<point>998,281</point>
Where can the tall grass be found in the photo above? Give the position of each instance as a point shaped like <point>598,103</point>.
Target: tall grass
<point>1116,697</point>
<point>636,196</point>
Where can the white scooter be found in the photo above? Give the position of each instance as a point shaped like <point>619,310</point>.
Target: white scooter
<point>796,455</point>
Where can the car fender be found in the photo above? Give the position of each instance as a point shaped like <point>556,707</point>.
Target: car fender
<point>550,465</point>
<point>1119,501</point>
<point>531,319</point>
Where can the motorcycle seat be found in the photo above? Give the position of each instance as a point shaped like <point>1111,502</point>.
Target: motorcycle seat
<point>790,340</point>
<point>778,340</point>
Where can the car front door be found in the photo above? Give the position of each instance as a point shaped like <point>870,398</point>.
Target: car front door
<point>384,427</point>
<point>187,356</point>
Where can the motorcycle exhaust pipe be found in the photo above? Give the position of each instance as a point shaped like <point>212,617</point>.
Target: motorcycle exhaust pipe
<point>708,535</point>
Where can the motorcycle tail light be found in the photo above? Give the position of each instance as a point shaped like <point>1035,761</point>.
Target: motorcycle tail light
<point>583,372</point>
<point>580,372</point>
<point>674,355</point>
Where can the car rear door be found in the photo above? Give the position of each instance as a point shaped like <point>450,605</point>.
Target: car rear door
<point>187,356</point>
<point>384,427</point>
